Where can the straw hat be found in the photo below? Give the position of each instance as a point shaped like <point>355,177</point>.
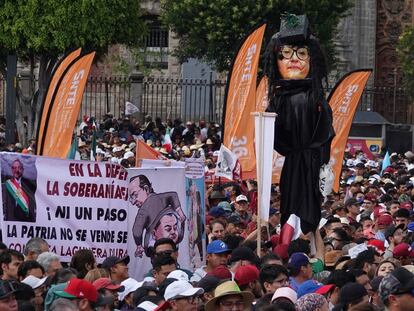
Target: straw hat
<point>227,289</point>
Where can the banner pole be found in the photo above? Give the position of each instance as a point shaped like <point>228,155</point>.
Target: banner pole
<point>259,186</point>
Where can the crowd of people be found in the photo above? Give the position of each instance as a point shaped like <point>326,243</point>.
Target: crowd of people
<point>362,258</point>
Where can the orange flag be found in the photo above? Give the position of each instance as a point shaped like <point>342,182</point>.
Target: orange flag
<point>240,101</point>
<point>47,101</point>
<point>143,151</point>
<point>65,106</point>
<point>344,100</point>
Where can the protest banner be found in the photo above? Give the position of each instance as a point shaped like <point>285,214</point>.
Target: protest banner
<point>156,209</point>
<point>196,210</point>
<point>240,100</point>
<point>71,204</point>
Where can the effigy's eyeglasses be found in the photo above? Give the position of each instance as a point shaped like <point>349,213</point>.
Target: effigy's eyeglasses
<point>287,51</point>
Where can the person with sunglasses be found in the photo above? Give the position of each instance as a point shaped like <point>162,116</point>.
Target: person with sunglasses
<point>295,67</point>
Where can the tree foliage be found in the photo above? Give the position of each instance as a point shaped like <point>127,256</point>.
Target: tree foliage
<point>41,31</point>
<point>405,49</point>
<point>212,30</point>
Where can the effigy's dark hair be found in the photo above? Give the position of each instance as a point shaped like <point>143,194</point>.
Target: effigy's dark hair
<point>318,69</point>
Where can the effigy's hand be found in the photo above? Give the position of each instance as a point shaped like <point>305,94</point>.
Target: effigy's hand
<point>139,251</point>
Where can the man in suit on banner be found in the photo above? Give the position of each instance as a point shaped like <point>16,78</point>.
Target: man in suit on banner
<point>18,195</point>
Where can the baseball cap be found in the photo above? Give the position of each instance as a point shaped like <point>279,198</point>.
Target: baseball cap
<point>308,287</point>
<point>6,289</point>
<point>209,283</point>
<point>79,288</point>
<point>221,272</point>
<point>325,289</point>
<point>111,261</point>
<point>130,286</point>
<point>398,281</point>
<point>243,253</point>
<point>129,154</point>
<point>352,201</point>
<point>378,244</point>
<point>351,293</point>
<point>234,219</point>
<point>241,197</point>
<point>246,274</point>
<point>217,247</point>
<point>34,282</point>
<point>179,289</point>
<point>406,205</point>
<point>285,292</point>
<point>403,250</point>
<point>224,205</point>
<point>179,275</point>
<point>391,230</point>
<point>107,284</point>
<point>336,206</point>
<point>216,211</point>
<point>385,219</point>
<point>273,211</point>
<point>298,260</point>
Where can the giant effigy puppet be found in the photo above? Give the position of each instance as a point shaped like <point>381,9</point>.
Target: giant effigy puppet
<point>296,68</point>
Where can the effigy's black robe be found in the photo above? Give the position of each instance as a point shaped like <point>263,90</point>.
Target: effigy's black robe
<point>303,134</point>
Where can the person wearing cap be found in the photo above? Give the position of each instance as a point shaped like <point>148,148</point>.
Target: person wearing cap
<point>108,288</point>
<point>300,269</point>
<point>84,294</point>
<point>181,295</point>
<point>242,209</point>
<point>402,217</point>
<point>117,268</point>
<point>274,220</point>
<point>235,225</point>
<point>247,277</point>
<point>7,296</point>
<point>404,253</point>
<point>382,223</point>
<point>394,236</point>
<point>126,297</point>
<point>353,207</point>
<point>396,290</point>
<point>351,295</point>
<point>208,284</point>
<point>217,254</point>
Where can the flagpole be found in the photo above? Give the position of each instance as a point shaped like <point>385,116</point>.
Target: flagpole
<point>259,187</point>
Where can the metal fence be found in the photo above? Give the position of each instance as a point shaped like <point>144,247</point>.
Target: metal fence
<point>190,99</point>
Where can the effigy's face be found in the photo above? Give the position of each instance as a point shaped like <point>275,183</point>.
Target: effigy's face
<point>293,62</point>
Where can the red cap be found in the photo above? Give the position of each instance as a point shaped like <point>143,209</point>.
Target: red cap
<point>378,244</point>
<point>79,288</point>
<point>385,219</point>
<point>246,274</point>
<point>406,205</point>
<point>106,283</point>
<point>282,251</point>
<point>324,289</point>
<point>221,272</point>
<point>403,250</point>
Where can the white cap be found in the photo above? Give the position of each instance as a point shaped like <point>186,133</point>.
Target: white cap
<point>179,275</point>
<point>285,292</point>
<point>241,198</point>
<point>34,282</point>
<point>147,306</point>
<point>181,289</point>
<point>115,160</point>
<point>117,149</point>
<point>129,154</point>
<point>350,163</point>
<point>132,145</point>
<point>130,285</point>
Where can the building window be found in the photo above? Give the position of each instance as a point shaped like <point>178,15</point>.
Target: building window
<point>156,45</point>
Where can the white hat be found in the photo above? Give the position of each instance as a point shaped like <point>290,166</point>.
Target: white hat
<point>285,292</point>
<point>132,145</point>
<point>115,160</point>
<point>179,275</point>
<point>128,154</point>
<point>147,306</point>
<point>241,198</point>
<point>131,285</point>
<point>34,282</point>
<point>181,289</point>
<point>350,163</point>
<point>99,151</point>
<point>117,149</point>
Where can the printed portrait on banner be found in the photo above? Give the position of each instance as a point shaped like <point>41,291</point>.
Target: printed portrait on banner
<point>18,178</point>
